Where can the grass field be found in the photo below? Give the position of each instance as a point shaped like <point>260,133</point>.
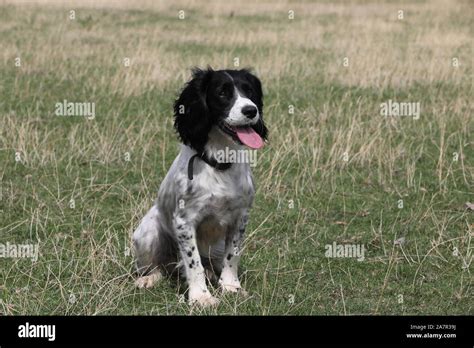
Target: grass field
<point>334,171</point>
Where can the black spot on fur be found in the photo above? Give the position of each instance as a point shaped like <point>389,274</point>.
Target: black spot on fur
<point>229,257</point>
<point>189,189</point>
<point>190,254</point>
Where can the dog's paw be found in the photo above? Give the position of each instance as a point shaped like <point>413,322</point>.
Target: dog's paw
<point>149,280</point>
<point>230,283</point>
<point>203,299</point>
<point>233,288</point>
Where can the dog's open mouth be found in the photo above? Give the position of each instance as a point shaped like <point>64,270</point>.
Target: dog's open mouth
<point>243,135</point>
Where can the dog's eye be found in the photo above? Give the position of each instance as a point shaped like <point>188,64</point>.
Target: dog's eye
<point>223,94</point>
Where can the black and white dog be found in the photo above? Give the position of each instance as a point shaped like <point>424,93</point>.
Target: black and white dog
<point>203,204</point>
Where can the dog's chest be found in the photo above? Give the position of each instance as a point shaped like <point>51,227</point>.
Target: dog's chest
<point>223,198</point>
<point>224,193</point>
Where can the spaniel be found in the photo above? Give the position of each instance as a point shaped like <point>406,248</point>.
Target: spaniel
<point>197,223</point>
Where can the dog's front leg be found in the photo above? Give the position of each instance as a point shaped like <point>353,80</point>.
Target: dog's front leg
<point>198,292</point>
<point>229,279</point>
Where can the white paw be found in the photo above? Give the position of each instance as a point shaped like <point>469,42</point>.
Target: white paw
<point>232,286</point>
<point>149,280</point>
<point>203,299</point>
<point>234,289</point>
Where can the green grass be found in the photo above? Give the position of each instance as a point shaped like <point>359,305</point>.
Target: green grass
<point>84,265</point>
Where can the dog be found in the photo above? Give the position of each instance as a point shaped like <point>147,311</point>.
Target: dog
<point>197,223</point>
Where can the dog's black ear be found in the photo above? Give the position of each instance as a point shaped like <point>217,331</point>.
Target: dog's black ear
<point>256,86</point>
<point>192,120</point>
<point>259,127</point>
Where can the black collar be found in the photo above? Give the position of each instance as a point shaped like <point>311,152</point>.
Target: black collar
<point>209,160</point>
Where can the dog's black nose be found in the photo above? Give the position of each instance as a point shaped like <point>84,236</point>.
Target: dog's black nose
<point>250,111</point>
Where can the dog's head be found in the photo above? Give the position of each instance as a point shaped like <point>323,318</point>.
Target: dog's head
<point>231,100</point>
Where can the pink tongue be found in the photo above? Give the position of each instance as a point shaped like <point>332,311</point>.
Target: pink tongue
<point>249,137</point>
